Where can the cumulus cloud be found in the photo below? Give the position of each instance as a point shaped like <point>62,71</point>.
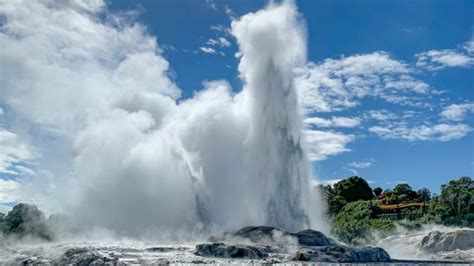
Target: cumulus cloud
<point>439,59</point>
<point>338,84</point>
<point>323,144</point>
<point>457,112</point>
<point>335,121</point>
<point>62,65</point>
<point>436,132</point>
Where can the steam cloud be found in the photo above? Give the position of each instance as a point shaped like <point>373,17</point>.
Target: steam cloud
<point>142,161</point>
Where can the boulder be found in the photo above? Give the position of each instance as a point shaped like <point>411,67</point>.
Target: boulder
<point>311,245</point>
<point>437,241</point>
<point>221,250</point>
<point>342,254</point>
<point>259,234</point>
<point>313,238</point>
<point>86,256</point>
<point>273,235</point>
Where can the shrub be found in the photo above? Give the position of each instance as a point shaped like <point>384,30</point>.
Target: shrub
<point>355,223</point>
<point>26,220</point>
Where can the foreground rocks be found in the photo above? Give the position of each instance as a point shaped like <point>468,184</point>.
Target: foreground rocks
<point>437,241</point>
<point>87,256</point>
<point>307,245</point>
<point>274,236</point>
<point>341,254</point>
<point>221,250</point>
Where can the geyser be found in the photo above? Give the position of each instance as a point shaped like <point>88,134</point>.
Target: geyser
<point>217,160</point>
<point>144,162</point>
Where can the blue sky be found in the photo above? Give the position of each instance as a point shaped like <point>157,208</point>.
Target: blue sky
<point>336,29</point>
<point>387,90</point>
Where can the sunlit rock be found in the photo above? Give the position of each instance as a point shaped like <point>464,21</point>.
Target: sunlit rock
<point>437,241</point>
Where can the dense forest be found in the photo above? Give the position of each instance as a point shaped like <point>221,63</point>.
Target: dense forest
<point>356,210</point>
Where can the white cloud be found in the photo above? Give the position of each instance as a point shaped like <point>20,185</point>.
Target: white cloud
<point>229,12</point>
<point>335,121</point>
<point>361,165</point>
<point>208,50</point>
<point>7,190</point>
<point>335,85</point>
<point>439,59</point>
<point>61,65</point>
<point>405,82</point>
<point>322,144</point>
<point>221,28</point>
<point>437,132</point>
<point>381,115</point>
<point>13,153</point>
<point>221,41</point>
<point>469,47</point>
<point>211,4</point>
<point>457,112</point>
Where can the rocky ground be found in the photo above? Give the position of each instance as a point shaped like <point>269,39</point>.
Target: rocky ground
<point>431,243</point>
<point>260,244</point>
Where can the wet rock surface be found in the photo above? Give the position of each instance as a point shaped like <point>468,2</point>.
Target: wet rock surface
<point>87,256</point>
<point>437,241</point>
<point>307,245</point>
<point>221,250</point>
<point>341,254</point>
<point>273,235</point>
<point>250,245</point>
<point>313,238</point>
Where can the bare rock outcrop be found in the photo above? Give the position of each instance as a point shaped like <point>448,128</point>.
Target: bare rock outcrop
<point>437,241</point>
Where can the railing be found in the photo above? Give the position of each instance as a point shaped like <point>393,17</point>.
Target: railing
<point>403,205</point>
<point>398,212</point>
<point>400,216</point>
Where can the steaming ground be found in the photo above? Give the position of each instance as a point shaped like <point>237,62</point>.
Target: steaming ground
<point>405,244</point>
<point>101,248</point>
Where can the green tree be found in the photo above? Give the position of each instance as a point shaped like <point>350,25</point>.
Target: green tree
<point>403,192</point>
<point>25,219</point>
<point>424,195</point>
<point>378,191</point>
<point>354,224</point>
<point>353,189</point>
<point>455,204</point>
<point>3,226</point>
<point>334,203</point>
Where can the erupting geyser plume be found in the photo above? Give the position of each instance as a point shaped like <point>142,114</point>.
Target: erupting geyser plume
<point>272,42</point>
<point>217,159</point>
<point>142,161</point>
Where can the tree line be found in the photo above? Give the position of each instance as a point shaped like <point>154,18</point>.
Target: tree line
<point>356,210</point>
